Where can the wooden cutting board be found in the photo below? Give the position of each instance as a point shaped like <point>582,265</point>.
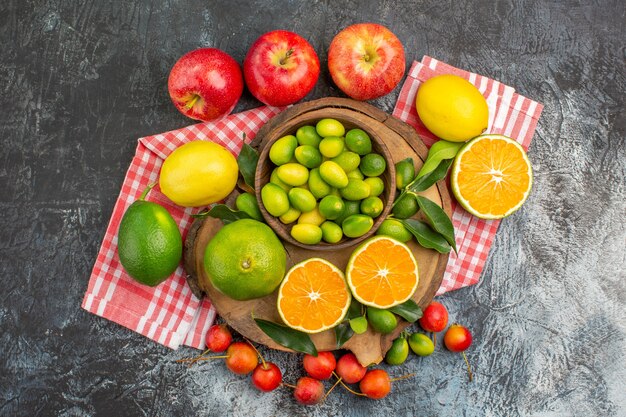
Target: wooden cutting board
<point>369,347</point>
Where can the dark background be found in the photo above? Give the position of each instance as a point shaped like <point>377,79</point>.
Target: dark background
<point>81,81</point>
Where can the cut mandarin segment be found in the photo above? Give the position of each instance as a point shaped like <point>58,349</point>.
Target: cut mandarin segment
<point>491,176</point>
<point>382,273</point>
<point>313,297</point>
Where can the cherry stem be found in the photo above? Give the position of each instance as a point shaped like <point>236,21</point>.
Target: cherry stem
<point>360,394</point>
<point>400,378</point>
<point>288,385</point>
<point>258,353</point>
<point>330,390</point>
<point>193,360</point>
<point>192,102</point>
<point>146,191</point>
<point>434,338</point>
<point>469,369</point>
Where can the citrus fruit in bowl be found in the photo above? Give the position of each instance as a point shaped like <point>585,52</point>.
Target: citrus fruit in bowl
<point>325,179</point>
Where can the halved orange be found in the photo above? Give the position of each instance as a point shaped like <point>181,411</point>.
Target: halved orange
<point>382,272</point>
<point>491,176</point>
<point>313,297</point>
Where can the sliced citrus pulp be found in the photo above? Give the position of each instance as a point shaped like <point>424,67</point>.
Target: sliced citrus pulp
<point>491,176</point>
<point>382,272</point>
<point>313,297</point>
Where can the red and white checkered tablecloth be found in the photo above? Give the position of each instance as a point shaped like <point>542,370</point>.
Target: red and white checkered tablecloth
<point>169,313</point>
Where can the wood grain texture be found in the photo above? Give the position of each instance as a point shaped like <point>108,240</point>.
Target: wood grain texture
<point>81,80</point>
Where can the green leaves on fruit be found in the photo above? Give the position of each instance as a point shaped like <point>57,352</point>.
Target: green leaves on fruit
<point>409,310</point>
<point>287,337</point>
<point>343,333</point>
<point>438,219</point>
<point>224,213</point>
<point>426,236</point>
<point>440,151</point>
<point>247,161</point>
<point>426,181</point>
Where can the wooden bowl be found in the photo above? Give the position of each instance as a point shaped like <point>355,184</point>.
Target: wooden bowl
<point>350,120</point>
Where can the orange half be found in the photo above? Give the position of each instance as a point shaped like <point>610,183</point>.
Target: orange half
<point>313,297</point>
<point>382,272</point>
<point>491,176</point>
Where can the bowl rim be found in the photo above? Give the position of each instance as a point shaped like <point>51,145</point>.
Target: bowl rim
<point>290,126</point>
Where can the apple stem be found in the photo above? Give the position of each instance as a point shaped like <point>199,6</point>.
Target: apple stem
<point>330,390</point>
<point>283,60</point>
<point>258,353</point>
<point>146,191</point>
<point>288,385</point>
<point>469,369</point>
<point>191,103</point>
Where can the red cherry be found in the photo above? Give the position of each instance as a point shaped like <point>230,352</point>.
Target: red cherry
<point>241,358</point>
<point>457,338</point>
<point>435,317</point>
<point>320,366</point>
<point>308,391</point>
<point>376,384</point>
<point>266,377</point>
<point>349,369</point>
<point>218,338</point>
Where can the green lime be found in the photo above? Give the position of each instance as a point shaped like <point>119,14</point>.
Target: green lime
<point>308,156</point>
<point>333,175</point>
<point>311,217</point>
<point>348,161</point>
<point>331,146</point>
<point>247,203</point>
<point>275,180</point>
<point>359,324</point>
<point>405,206</point>
<point>350,208</point>
<point>330,127</point>
<point>290,216</point>
<point>301,199</point>
<point>149,243</point>
<point>372,206</point>
<point>355,190</point>
<point>377,186</point>
<point>398,352</point>
<point>307,135</point>
<point>331,207</point>
<point>382,321</point>
<point>372,165</point>
<point>283,149</point>
<point>395,229</point>
<point>421,344</point>
<point>293,174</point>
<point>309,234</point>
<point>331,232</point>
<point>245,260</point>
<point>318,187</point>
<point>355,175</point>
<point>358,141</point>
<point>274,199</point>
<point>357,225</point>
<point>405,172</point>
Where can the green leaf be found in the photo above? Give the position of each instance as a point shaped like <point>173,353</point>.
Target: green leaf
<point>438,219</point>
<point>343,333</point>
<point>359,324</point>
<point>247,161</point>
<point>287,337</point>
<point>426,236</point>
<point>224,213</point>
<point>440,151</point>
<point>408,310</point>
<point>425,182</point>
<point>355,310</point>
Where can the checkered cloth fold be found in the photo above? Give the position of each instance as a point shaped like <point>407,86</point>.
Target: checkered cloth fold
<point>170,314</point>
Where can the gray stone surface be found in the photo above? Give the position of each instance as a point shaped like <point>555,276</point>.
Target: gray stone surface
<point>82,80</point>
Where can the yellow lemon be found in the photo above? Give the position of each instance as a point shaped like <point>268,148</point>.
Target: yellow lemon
<point>198,173</point>
<point>452,108</point>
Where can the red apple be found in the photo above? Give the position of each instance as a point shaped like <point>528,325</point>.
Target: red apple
<point>366,61</point>
<point>205,84</point>
<point>281,67</point>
